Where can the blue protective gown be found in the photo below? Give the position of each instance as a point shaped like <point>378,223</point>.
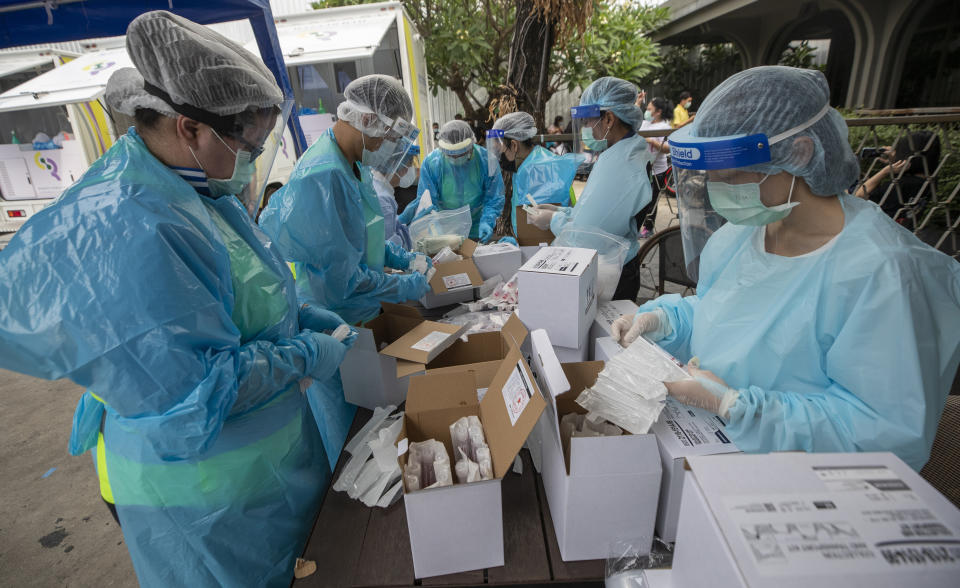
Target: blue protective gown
<point>852,347</point>
<point>317,221</point>
<point>179,317</point>
<point>394,232</point>
<point>453,186</point>
<point>617,190</point>
<point>544,176</point>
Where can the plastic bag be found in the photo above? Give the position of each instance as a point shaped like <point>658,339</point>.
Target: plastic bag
<point>611,253</point>
<point>629,558</point>
<point>484,321</point>
<point>445,224</point>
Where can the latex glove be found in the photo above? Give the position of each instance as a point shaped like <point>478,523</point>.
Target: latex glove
<point>540,218</point>
<point>485,232</point>
<point>654,324</point>
<point>420,263</point>
<point>415,285</point>
<point>318,319</point>
<point>706,390</point>
<point>330,354</point>
<point>345,334</point>
<point>510,240</point>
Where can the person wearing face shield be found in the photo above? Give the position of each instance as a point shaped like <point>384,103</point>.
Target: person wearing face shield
<point>328,220</point>
<point>537,173</point>
<point>618,187</point>
<point>457,175</point>
<point>147,283</point>
<point>819,324</point>
<point>396,233</point>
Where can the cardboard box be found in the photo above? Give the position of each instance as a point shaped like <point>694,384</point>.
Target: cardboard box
<point>370,378</point>
<point>558,293</point>
<point>828,520</point>
<point>460,527</point>
<point>600,489</point>
<point>529,237</point>
<point>454,281</point>
<point>683,431</point>
<point>602,326</point>
<point>605,348</point>
<point>501,263</point>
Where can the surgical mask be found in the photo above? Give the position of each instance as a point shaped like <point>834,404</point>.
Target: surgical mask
<point>408,178</point>
<point>507,165</point>
<point>459,161</point>
<point>648,116</point>
<point>592,143</point>
<point>689,104</point>
<point>244,171</point>
<point>741,203</point>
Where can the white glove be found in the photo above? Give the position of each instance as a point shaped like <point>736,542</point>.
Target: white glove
<point>706,390</point>
<point>627,327</point>
<point>540,217</point>
<point>418,264</point>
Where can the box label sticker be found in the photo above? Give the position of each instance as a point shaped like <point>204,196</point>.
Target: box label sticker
<point>693,427</point>
<point>430,342</point>
<point>402,446</point>
<point>867,520</point>
<point>517,393</point>
<point>456,281</point>
<point>560,260</point>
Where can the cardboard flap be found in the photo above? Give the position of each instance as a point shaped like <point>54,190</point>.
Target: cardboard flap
<point>484,371</point>
<point>440,391</point>
<point>400,310</point>
<point>547,365</point>
<point>408,368</point>
<point>468,247</point>
<point>455,275</point>
<point>425,342</point>
<point>510,410</point>
<point>515,330</point>
<point>528,234</point>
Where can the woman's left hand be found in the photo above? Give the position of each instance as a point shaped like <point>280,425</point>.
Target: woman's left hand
<point>706,390</point>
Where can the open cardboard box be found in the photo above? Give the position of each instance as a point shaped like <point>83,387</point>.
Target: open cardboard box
<point>830,520</point>
<point>529,237</point>
<point>460,527</point>
<point>371,378</point>
<point>455,280</point>
<point>600,489</point>
<point>558,293</point>
<point>607,313</point>
<point>499,263</point>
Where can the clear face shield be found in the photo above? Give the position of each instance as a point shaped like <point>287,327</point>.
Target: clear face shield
<point>588,135</point>
<point>407,174</point>
<point>496,144</point>
<point>397,150</point>
<point>263,141</point>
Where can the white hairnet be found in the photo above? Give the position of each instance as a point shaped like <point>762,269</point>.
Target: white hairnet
<point>516,125</point>
<point>125,94</point>
<point>456,131</point>
<point>374,94</point>
<point>616,95</point>
<point>774,99</point>
<point>198,67</point>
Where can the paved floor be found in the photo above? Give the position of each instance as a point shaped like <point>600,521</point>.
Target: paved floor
<point>54,529</point>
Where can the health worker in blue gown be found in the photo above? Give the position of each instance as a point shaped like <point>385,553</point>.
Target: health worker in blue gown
<point>147,283</point>
<point>819,324</point>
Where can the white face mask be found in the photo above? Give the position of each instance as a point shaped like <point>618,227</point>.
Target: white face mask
<point>408,178</point>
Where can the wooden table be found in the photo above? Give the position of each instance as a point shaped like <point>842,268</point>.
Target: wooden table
<point>354,545</point>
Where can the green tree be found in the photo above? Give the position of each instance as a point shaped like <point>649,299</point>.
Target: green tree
<point>800,55</point>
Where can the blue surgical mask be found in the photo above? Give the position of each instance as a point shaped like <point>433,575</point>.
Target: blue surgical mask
<point>648,116</point>
<point>594,144</point>
<point>244,170</point>
<point>741,203</point>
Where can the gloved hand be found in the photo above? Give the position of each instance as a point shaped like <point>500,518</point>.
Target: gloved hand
<point>414,286</point>
<point>627,328</point>
<point>485,232</point>
<point>345,334</point>
<point>318,319</point>
<point>540,217</point>
<point>706,390</point>
<point>420,263</point>
<point>330,353</point>
<point>510,240</point>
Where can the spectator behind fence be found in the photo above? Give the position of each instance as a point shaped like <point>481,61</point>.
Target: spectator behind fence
<point>656,117</point>
<point>919,154</point>
<point>681,114</point>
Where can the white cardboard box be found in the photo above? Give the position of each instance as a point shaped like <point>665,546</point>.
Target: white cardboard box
<point>829,520</point>
<point>501,263</point>
<point>600,489</point>
<point>605,348</point>
<point>683,431</point>
<point>558,293</point>
<point>460,527</point>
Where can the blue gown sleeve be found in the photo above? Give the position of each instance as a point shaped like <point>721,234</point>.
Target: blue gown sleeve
<point>317,220</point>
<point>679,310</point>
<point>397,257</point>
<point>493,199</point>
<point>560,219</point>
<point>868,406</point>
<point>142,319</point>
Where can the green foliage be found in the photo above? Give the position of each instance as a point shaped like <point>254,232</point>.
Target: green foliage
<point>801,55</point>
<point>695,68</point>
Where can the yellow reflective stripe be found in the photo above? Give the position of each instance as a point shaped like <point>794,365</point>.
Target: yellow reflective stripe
<point>573,197</point>
<point>105,489</point>
<point>97,398</point>
<point>414,83</point>
<point>293,270</point>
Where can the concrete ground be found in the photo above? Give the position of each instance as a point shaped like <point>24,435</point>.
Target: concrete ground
<point>54,528</point>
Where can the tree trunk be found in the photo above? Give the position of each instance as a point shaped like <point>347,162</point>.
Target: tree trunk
<point>528,69</point>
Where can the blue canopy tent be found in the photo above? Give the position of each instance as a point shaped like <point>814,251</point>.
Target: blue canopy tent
<point>32,22</point>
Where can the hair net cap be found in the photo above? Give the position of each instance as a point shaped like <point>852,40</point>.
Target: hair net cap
<point>374,94</point>
<point>199,67</point>
<point>519,126</point>
<point>616,95</point>
<point>774,99</point>
<point>125,94</point>
<point>455,132</point>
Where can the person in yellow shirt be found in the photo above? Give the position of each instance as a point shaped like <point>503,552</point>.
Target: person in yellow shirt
<point>681,114</point>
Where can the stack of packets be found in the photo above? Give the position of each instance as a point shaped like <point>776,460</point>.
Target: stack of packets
<point>372,474</point>
<point>585,425</point>
<point>629,392</point>
<point>428,465</point>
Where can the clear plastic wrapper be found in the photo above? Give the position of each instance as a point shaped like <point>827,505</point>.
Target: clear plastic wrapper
<point>629,558</point>
<point>373,463</point>
<point>492,248</point>
<point>505,297</point>
<point>441,228</point>
<point>446,255</point>
<point>431,460</point>
<point>484,321</point>
<point>379,415</point>
<point>470,447</point>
